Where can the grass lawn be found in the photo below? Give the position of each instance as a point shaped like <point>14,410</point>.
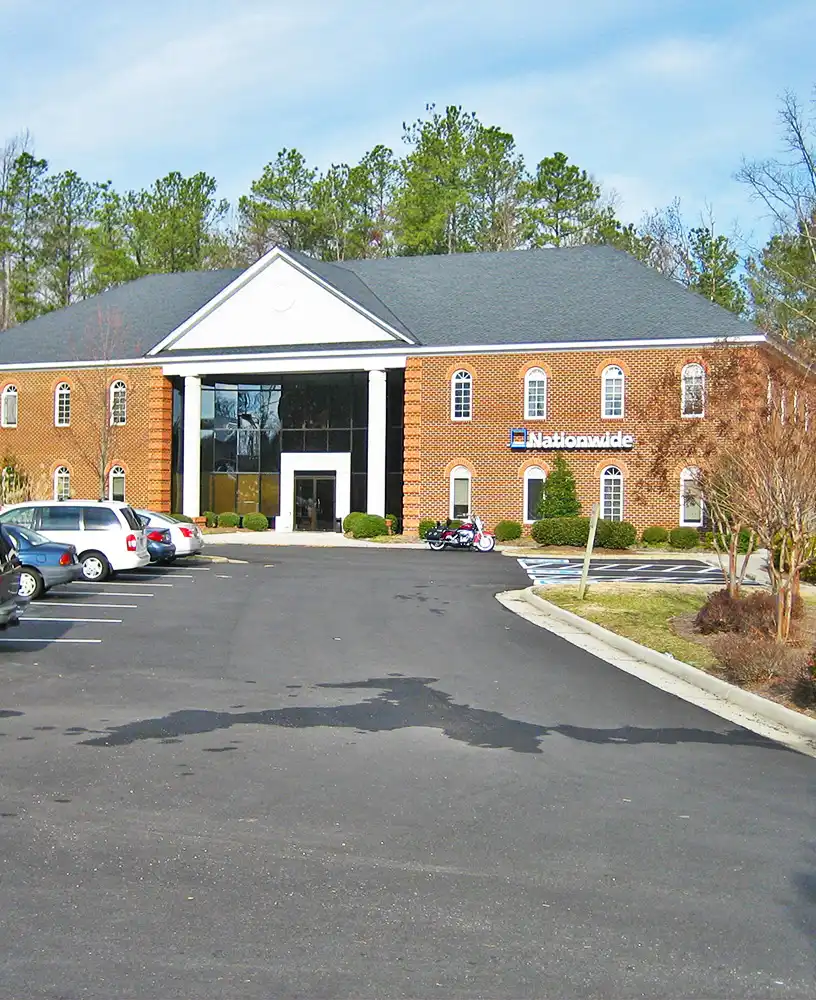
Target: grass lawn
<point>640,613</point>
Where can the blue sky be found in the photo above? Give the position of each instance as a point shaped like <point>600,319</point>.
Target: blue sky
<point>656,98</point>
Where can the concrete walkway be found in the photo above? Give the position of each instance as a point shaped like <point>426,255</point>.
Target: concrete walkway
<point>319,539</point>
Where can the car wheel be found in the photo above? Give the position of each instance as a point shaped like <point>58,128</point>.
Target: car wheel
<point>31,584</point>
<point>95,567</point>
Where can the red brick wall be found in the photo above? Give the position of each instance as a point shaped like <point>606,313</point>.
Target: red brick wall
<point>435,444</point>
<point>141,446</point>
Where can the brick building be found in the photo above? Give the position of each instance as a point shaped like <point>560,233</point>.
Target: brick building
<point>418,386</point>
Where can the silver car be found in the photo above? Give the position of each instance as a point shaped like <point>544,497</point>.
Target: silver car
<point>187,538</point>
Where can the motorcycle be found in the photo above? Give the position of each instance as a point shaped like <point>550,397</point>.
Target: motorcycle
<point>470,535</point>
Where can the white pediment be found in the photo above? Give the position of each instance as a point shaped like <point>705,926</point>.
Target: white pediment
<point>277,303</point>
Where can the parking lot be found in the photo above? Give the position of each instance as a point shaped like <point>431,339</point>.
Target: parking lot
<point>86,613</point>
<point>354,773</point>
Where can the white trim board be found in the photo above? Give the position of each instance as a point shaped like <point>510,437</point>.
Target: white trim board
<point>313,461</point>
<point>278,301</point>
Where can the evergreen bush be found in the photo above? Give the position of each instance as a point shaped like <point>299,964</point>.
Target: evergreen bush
<point>256,522</point>
<point>615,535</point>
<point>506,531</point>
<point>559,497</point>
<point>684,538</point>
<point>655,535</point>
<point>349,520</point>
<point>211,518</point>
<point>369,526</point>
<point>228,520</point>
<point>425,526</point>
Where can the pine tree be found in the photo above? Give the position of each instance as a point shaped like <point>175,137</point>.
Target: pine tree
<point>559,498</point>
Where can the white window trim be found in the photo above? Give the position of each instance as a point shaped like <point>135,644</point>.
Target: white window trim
<point>460,472</point>
<point>622,486</point>
<point>10,390</point>
<point>536,375</point>
<point>689,475</point>
<point>117,386</point>
<point>60,391</point>
<point>604,414</point>
<point>683,414</point>
<point>541,476</point>
<point>116,472</point>
<point>62,472</point>
<point>453,381</point>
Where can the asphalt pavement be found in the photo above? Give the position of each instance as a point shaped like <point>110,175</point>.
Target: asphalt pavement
<point>353,773</point>
<point>544,571</point>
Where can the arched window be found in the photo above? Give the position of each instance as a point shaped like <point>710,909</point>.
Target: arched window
<point>462,396</point>
<point>692,391</point>
<point>535,394</point>
<point>612,391</point>
<point>118,403</point>
<point>62,405</point>
<point>612,494</point>
<point>534,479</point>
<point>116,483</point>
<point>9,407</point>
<point>460,492</point>
<point>62,484</point>
<point>692,507</point>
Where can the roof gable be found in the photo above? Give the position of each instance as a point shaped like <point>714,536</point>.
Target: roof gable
<point>278,302</point>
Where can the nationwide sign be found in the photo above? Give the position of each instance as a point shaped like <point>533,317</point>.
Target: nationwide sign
<point>523,440</point>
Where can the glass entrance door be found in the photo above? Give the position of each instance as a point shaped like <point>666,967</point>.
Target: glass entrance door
<point>314,501</point>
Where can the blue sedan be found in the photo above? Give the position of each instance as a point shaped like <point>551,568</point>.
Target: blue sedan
<point>44,564</point>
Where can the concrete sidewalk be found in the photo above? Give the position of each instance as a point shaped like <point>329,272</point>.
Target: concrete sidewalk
<point>317,539</point>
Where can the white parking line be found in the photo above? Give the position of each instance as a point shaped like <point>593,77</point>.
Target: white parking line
<point>107,621</point>
<point>108,593</point>
<point>81,604</point>
<point>132,583</point>
<point>52,640</point>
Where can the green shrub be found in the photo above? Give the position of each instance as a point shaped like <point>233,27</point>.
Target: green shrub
<point>369,526</point>
<point>506,531</point>
<point>559,498</point>
<point>615,535</point>
<point>395,523</point>
<point>256,522</point>
<point>228,520</point>
<point>684,538</point>
<point>425,526</point>
<point>561,531</point>
<point>211,518</point>
<point>654,536</point>
<point>349,520</point>
<point>182,517</point>
<point>724,541</point>
<point>454,523</point>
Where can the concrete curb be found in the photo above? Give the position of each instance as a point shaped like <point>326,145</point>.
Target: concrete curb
<point>754,703</point>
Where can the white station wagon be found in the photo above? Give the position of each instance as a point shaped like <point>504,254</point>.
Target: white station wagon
<point>108,534</point>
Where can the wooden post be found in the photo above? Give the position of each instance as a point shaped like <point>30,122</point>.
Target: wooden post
<point>593,524</point>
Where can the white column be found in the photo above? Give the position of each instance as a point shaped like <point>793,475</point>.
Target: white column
<point>191,490</point>
<point>376,443</point>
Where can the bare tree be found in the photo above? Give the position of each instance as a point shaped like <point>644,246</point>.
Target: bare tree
<point>96,435</point>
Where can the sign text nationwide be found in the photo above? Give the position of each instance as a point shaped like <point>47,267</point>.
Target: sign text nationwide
<point>523,440</point>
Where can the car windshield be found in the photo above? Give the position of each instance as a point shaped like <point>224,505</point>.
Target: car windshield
<point>32,537</point>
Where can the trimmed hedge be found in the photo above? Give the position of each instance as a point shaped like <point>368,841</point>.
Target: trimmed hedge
<point>655,535</point>
<point>684,538</point>
<point>349,520</point>
<point>211,518</point>
<point>256,522</point>
<point>369,526</point>
<point>506,531</point>
<point>615,535</point>
<point>425,526</point>
<point>228,520</point>
<point>183,518</point>
<point>561,531</point>
<point>575,531</point>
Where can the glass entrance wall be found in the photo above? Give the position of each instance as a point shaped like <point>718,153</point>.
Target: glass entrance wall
<point>246,426</point>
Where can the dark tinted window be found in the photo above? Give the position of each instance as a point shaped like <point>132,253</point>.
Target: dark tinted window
<point>131,517</point>
<point>19,515</point>
<point>59,518</point>
<point>100,519</point>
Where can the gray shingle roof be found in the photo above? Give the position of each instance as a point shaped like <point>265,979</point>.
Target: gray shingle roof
<point>540,296</point>
<point>576,294</point>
